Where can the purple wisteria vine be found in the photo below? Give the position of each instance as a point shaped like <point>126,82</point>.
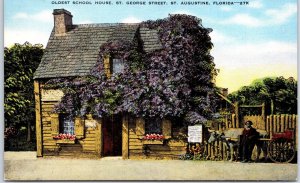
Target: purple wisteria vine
<point>174,81</point>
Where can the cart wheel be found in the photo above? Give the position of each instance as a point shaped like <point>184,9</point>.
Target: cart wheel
<point>281,150</point>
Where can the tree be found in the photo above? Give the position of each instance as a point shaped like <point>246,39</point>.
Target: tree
<point>279,95</point>
<point>175,81</point>
<point>20,62</point>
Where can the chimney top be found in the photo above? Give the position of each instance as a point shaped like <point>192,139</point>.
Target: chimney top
<point>61,11</point>
<point>62,21</point>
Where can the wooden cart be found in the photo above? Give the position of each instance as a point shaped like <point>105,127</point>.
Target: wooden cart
<point>282,147</point>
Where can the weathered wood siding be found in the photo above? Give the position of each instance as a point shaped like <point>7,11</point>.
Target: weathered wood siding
<point>89,142</point>
<point>49,144</point>
<point>38,127</point>
<point>87,131</point>
<point>125,137</point>
<point>170,149</point>
<point>107,65</point>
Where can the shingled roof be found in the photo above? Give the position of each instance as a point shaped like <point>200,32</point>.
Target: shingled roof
<point>76,52</point>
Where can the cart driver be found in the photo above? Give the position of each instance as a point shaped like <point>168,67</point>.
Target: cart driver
<point>248,141</point>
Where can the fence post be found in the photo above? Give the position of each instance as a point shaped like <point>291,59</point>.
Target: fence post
<point>215,149</point>
<point>291,121</point>
<point>220,149</point>
<point>287,122</point>
<point>263,114</point>
<point>224,151</point>
<point>271,125</point>
<point>233,121</point>
<point>226,122</point>
<point>275,124</point>
<point>236,112</point>
<point>282,125</point>
<point>294,122</point>
<point>278,123</point>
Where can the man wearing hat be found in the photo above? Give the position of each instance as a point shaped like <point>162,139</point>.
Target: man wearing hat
<point>248,140</point>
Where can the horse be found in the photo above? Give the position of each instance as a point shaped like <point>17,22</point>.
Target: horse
<point>230,137</point>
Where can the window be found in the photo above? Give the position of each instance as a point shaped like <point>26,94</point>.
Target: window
<point>153,125</point>
<point>66,125</point>
<point>115,65</point>
<point>118,65</point>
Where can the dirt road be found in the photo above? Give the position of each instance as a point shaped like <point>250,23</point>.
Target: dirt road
<point>25,166</point>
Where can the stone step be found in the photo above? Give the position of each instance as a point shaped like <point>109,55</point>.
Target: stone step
<point>70,149</point>
<point>70,145</point>
<point>66,154</point>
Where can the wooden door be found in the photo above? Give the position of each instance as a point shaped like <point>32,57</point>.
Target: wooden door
<point>112,136</point>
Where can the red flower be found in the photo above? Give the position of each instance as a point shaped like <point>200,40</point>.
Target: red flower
<point>153,137</point>
<point>64,136</point>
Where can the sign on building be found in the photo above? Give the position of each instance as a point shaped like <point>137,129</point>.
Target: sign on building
<point>52,95</point>
<point>195,133</point>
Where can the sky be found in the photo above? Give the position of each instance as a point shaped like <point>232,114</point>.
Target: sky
<point>252,40</point>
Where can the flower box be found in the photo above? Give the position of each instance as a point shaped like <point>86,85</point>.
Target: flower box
<point>153,142</point>
<point>153,136</point>
<point>65,141</point>
<point>64,138</point>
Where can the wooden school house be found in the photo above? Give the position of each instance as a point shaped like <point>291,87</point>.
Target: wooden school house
<point>72,50</point>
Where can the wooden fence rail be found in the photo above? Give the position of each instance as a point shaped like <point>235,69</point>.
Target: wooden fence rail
<point>279,123</point>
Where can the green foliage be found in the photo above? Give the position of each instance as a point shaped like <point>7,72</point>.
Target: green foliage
<point>279,91</point>
<point>15,140</point>
<point>20,62</point>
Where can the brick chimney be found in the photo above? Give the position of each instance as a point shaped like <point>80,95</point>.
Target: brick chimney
<point>62,21</point>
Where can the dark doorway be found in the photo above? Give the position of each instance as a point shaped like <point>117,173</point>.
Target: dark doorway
<point>112,136</point>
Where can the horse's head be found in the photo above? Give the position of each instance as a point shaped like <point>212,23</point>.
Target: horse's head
<point>216,135</point>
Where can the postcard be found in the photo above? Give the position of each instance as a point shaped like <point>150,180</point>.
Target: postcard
<point>159,90</point>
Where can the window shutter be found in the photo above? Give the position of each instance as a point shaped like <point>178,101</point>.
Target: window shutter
<point>140,127</point>
<point>107,64</point>
<point>79,127</point>
<point>166,128</point>
<point>54,124</point>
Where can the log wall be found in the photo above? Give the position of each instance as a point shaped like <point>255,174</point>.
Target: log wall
<point>89,137</point>
<point>133,131</point>
<point>49,144</point>
<point>38,127</point>
<point>139,149</point>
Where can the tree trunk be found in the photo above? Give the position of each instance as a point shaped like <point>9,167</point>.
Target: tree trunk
<point>28,131</point>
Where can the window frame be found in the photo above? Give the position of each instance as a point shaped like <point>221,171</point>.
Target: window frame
<point>166,126</point>
<point>121,62</point>
<point>62,118</point>
<point>159,125</point>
